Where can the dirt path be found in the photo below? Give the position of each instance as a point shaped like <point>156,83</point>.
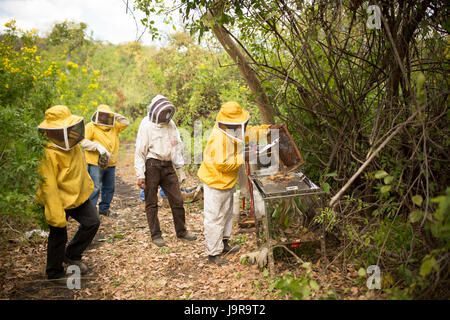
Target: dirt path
<point>125,264</point>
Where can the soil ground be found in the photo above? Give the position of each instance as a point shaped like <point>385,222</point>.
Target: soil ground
<point>125,264</point>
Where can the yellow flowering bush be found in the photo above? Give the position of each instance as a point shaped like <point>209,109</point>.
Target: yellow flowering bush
<point>79,88</point>
<point>27,89</point>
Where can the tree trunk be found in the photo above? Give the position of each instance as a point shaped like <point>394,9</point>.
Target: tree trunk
<point>247,71</point>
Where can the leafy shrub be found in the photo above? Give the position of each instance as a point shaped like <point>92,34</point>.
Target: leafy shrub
<point>27,89</point>
<point>296,288</point>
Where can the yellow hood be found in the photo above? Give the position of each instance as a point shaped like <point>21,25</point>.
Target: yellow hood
<point>107,136</point>
<point>104,108</point>
<point>58,117</point>
<point>66,183</point>
<point>232,112</point>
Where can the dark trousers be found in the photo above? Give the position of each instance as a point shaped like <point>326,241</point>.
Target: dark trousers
<point>87,217</point>
<point>162,173</point>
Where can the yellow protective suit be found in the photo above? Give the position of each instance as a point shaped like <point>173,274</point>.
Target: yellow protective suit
<point>108,137</point>
<point>66,182</point>
<point>223,155</point>
<point>220,167</point>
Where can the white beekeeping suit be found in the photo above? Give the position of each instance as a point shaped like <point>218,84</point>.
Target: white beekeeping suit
<point>158,141</point>
<point>219,173</point>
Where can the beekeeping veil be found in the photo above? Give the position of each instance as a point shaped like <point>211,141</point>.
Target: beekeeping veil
<point>232,120</point>
<point>103,116</point>
<point>160,110</point>
<point>62,128</point>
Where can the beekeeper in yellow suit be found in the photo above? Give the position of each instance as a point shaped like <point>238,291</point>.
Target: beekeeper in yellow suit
<point>102,143</point>
<point>65,190</point>
<point>222,158</point>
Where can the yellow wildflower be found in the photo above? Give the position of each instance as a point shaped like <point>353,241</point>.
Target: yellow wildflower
<point>73,65</point>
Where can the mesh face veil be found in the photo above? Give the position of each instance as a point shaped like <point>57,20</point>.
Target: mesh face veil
<point>103,118</point>
<point>235,131</point>
<point>65,138</point>
<point>160,110</point>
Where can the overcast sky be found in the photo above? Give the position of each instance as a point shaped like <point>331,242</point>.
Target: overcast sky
<point>107,19</point>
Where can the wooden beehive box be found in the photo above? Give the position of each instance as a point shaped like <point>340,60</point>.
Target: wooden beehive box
<point>289,154</point>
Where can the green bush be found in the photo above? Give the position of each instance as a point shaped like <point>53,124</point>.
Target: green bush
<point>27,89</point>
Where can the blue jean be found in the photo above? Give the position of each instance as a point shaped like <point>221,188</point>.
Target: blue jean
<point>104,182</point>
<point>142,194</point>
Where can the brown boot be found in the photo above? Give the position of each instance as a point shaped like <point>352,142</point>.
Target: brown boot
<point>218,260</point>
<point>83,267</point>
<point>159,242</point>
<point>188,236</point>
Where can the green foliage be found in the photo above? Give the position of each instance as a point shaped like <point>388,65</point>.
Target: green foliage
<point>130,133</point>
<point>27,89</point>
<point>80,90</point>
<point>386,236</point>
<point>296,288</point>
<point>239,240</point>
<point>194,80</point>
<point>328,217</point>
<point>438,224</point>
<point>70,34</point>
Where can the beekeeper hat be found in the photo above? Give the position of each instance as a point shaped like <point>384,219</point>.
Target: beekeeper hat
<point>59,117</point>
<point>232,113</point>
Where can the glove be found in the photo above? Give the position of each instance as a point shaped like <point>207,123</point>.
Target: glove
<point>102,150</point>
<point>263,257</point>
<point>120,118</point>
<point>259,257</point>
<point>181,174</point>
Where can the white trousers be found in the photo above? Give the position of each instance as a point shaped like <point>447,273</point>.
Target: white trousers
<point>218,218</point>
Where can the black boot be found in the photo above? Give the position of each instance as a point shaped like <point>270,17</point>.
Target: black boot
<point>228,248</point>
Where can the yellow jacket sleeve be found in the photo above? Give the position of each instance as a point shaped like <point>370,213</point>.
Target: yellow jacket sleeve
<point>121,122</point>
<point>256,133</point>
